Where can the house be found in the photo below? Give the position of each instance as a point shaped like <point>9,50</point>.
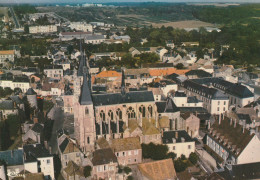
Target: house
<point>135,77</point>
<point>239,95</point>
<point>215,101</point>
<point>69,151</point>
<point>157,170</point>
<point>195,74</point>
<point>7,107</point>
<point>94,39</point>
<point>179,142</point>
<point>124,38</point>
<point>81,26</point>
<point>14,163</point>
<point>232,143</point>
<point>73,171</point>
<point>34,134</point>
<point>181,100</point>
<point>136,51</point>
<point>55,71</point>
<point>7,55</point>
<point>68,36</point>
<point>38,159</point>
<point>192,124</point>
<point>170,44</point>
<point>104,164</point>
<point>127,150</point>
<point>43,29</point>
<point>171,58</point>
<point>160,52</point>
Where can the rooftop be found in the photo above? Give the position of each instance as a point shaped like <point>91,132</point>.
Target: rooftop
<point>158,170</point>
<point>12,157</point>
<point>125,144</point>
<point>103,156</point>
<point>180,135</point>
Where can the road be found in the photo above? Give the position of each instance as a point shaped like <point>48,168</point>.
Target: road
<point>16,21</point>
<point>57,115</point>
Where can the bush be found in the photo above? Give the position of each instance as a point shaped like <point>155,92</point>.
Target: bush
<point>193,158</point>
<point>127,170</point>
<point>130,178</point>
<point>183,157</point>
<point>87,171</point>
<point>171,155</point>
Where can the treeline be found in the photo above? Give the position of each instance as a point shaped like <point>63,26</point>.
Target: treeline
<point>24,9</point>
<point>227,15</point>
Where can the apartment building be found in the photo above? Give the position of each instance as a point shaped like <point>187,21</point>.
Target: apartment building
<point>7,55</point>
<point>81,26</point>
<point>43,29</point>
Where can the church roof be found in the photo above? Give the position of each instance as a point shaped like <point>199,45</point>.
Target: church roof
<point>118,98</point>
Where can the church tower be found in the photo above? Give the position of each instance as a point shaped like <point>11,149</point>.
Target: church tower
<point>84,120</point>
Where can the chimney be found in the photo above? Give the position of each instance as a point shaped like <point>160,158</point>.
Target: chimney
<point>173,140</point>
<point>35,120</point>
<point>176,134</point>
<point>219,119</point>
<point>235,123</point>
<point>208,124</point>
<point>230,121</point>
<point>244,125</point>
<point>182,139</point>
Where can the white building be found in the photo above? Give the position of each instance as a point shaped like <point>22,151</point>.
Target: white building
<point>7,55</point>
<point>179,142</point>
<point>43,29</point>
<point>95,39</point>
<point>181,100</point>
<point>81,26</point>
<point>233,143</point>
<point>55,71</point>
<point>38,159</point>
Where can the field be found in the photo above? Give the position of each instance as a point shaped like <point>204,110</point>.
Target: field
<point>184,24</point>
<point>3,11</point>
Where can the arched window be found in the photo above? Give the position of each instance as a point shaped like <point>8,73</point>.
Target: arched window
<point>150,109</point>
<point>119,113</point>
<point>102,116</point>
<point>142,110</point>
<point>111,115</point>
<point>86,111</point>
<point>131,113</point>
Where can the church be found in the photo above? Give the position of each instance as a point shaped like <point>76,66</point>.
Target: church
<point>112,115</point>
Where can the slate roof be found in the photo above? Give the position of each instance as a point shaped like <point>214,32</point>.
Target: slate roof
<point>12,157</point>
<point>30,91</point>
<point>234,135</point>
<point>235,89</point>
<point>118,98</point>
<point>207,92</point>
<point>166,107</point>
<point>67,146</point>
<point>37,127</point>
<point>16,99</point>
<point>193,109</point>
<point>102,143</point>
<point>168,136</point>
<point>246,171</point>
<point>245,117</point>
<point>193,99</point>
<point>199,73</point>
<point>180,94</point>
<point>103,156</point>
<point>34,151</point>
<point>85,96</point>
<point>6,104</point>
<point>94,37</point>
<point>73,169</point>
<point>125,144</point>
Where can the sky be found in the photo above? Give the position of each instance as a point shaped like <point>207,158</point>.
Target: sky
<point>103,1</point>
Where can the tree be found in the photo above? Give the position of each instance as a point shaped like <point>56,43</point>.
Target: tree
<point>26,29</point>
<point>180,165</point>
<point>87,171</point>
<point>183,157</point>
<point>154,151</point>
<point>179,66</point>
<point>193,158</point>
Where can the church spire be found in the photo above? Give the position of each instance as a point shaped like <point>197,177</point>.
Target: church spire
<point>123,83</point>
<point>85,96</point>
